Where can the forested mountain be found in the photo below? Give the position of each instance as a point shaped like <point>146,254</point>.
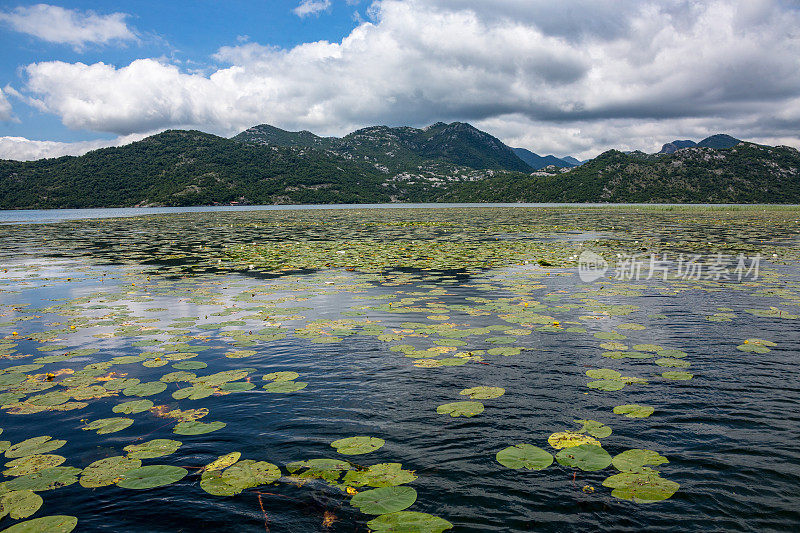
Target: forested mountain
<point>444,162</point>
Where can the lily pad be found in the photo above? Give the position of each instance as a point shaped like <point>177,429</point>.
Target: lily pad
<point>194,427</point>
<point>223,462</point>
<point>151,476</point>
<point>50,524</point>
<point>407,522</point>
<point>594,428</point>
<point>133,407</point>
<point>641,487</point>
<point>108,471</point>
<point>284,386</point>
<point>19,504</point>
<point>357,445</point>
<point>456,409</point>
<point>634,410</point>
<point>567,439</point>
<point>379,475</point>
<point>281,376</point>
<point>587,457</point>
<point>108,425</point>
<point>635,460</point>
<point>145,389</point>
<point>31,464</point>
<point>35,445</point>
<point>152,449</point>
<point>524,456</point>
<point>384,500</point>
<point>483,392</point>
<point>47,479</point>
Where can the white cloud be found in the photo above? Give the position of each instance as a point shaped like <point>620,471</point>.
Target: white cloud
<point>23,149</point>
<point>311,7</point>
<point>5,107</point>
<point>67,26</point>
<point>566,77</point>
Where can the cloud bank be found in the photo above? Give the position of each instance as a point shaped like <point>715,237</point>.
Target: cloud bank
<point>67,26</point>
<point>572,77</point>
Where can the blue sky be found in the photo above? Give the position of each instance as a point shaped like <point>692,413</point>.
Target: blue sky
<point>574,77</point>
<point>187,32</point>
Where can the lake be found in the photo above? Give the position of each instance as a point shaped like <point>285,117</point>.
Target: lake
<point>496,368</point>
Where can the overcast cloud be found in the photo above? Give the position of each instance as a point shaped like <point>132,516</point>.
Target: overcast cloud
<point>557,77</point>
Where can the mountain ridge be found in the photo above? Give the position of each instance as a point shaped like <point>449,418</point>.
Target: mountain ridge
<point>381,164</point>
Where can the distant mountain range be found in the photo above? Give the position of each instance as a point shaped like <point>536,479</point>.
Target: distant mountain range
<point>719,141</point>
<point>442,162</point>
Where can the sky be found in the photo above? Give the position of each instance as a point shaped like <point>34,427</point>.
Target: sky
<point>573,77</point>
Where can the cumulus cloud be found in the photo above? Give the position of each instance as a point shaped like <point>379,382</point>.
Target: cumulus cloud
<point>5,107</point>
<point>22,149</point>
<point>564,77</point>
<point>311,7</point>
<point>56,24</point>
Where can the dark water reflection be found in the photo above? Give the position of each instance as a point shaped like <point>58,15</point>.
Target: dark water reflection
<point>731,433</point>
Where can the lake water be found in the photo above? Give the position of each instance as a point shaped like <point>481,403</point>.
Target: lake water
<point>386,316</point>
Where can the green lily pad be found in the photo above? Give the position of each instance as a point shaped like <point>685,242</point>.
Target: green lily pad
<point>284,386</point>
<point>603,374</point>
<point>145,389</point>
<point>587,457</point>
<point>408,522</point>
<point>456,409</point>
<point>223,461</point>
<point>329,470</point>
<point>35,445</point>
<point>19,504</point>
<point>606,384</point>
<point>152,449</point>
<point>357,445</point>
<point>108,471</point>
<point>281,376</point>
<point>634,410</point>
<point>237,386</point>
<point>50,524</point>
<point>641,487</point>
<point>524,456</point>
<point>133,407</point>
<point>47,479</point>
<point>379,475</point>
<point>635,460</point>
<point>483,392</point>
<point>594,428</point>
<point>108,425</point>
<point>31,464</point>
<point>384,500</point>
<point>647,347</point>
<point>151,476</point>
<point>193,427</point>
<point>248,473</point>
<point>189,365</point>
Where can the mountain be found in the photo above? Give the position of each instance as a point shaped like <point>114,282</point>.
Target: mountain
<point>382,164</point>
<point>402,149</point>
<point>186,168</point>
<point>718,141</point>
<point>747,173</point>
<point>538,162</point>
<point>674,146</point>
<point>572,161</point>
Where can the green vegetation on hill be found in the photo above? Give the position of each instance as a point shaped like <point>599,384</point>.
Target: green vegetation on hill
<point>178,168</point>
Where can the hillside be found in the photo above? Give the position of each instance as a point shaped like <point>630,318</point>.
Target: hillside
<point>438,147</point>
<point>538,162</point>
<point>382,164</point>
<point>748,173</point>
